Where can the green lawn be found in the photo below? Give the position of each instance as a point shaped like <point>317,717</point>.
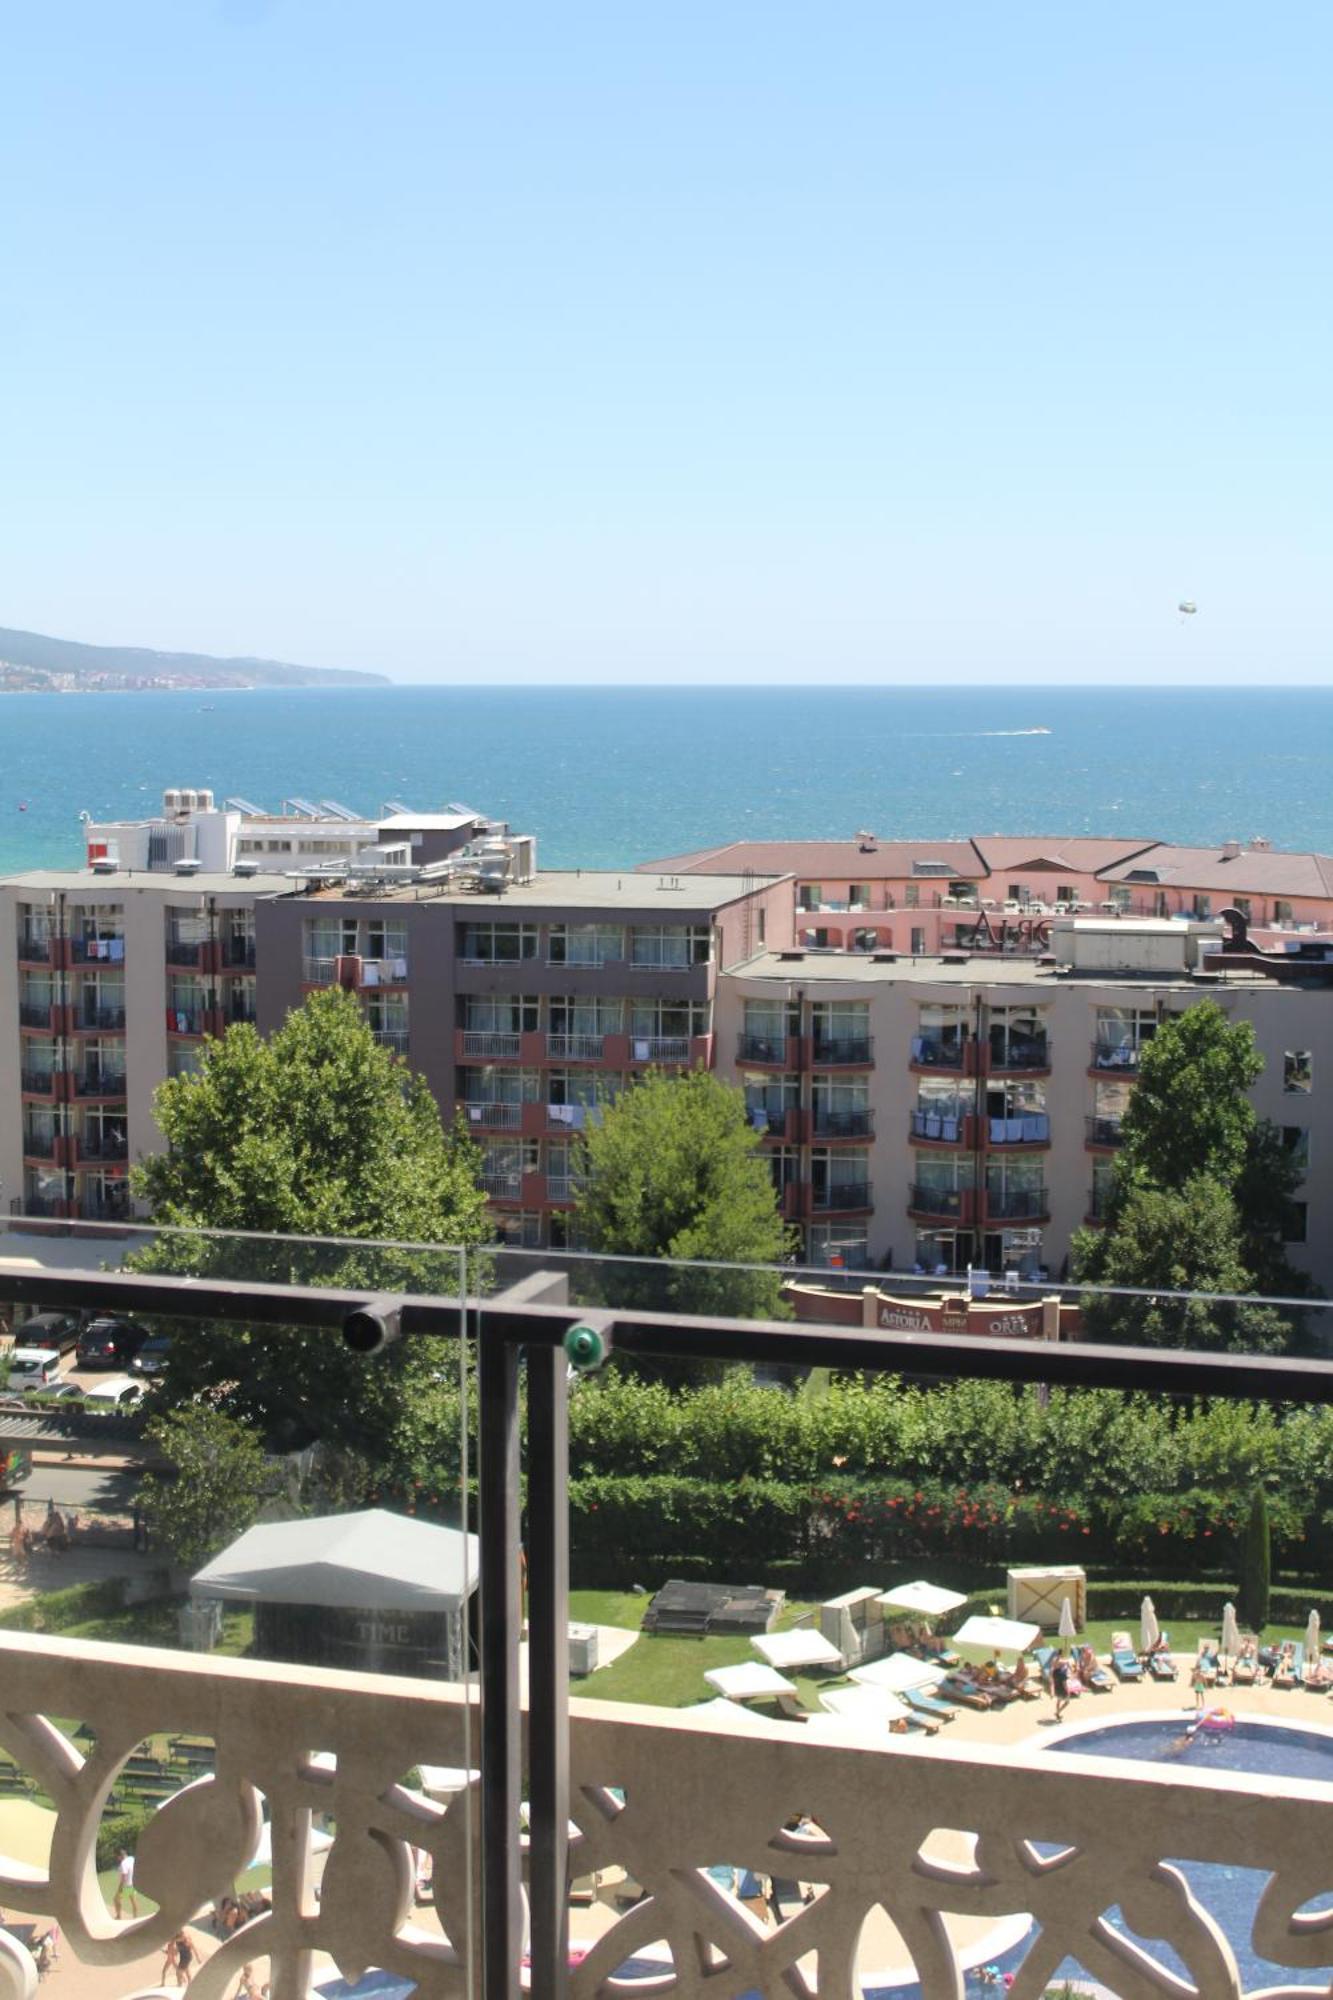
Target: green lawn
<point>667,1670</point>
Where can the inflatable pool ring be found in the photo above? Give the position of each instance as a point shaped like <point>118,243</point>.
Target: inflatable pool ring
<point>1219,1719</point>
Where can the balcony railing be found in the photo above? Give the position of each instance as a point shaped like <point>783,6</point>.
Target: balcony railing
<point>836,1049</point>
<point>559,1187</point>
<point>840,1195</point>
<point>183,1021</point>
<point>1104,1132</point>
<point>499,1116</point>
<point>1025,1128</point>
<point>575,1048</point>
<point>237,1009</point>
<point>502,1187</point>
<point>762,1048</point>
<point>238,952</point>
<point>37,1082</point>
<point>945,1129</point>
<point>185,951</point>
<point>33,1014</point>
<point>665,957</point>
<point>103,1145</point>
<point>1031,1053</point>
<point>97,951</point>
<point>392,1038</point>
<point>942,1201</point>
<point>1038,1843</point>
<point>34,950</point>
<point>930,1052</point>
<point>1119,1056</point>
<point>106,1207</point>
<point>1016,1204</point>
<point>317,971</point>
<point>659,1048</point>
<point>39,1145</point>
<point>104,1016</point>
<point>842,1124</point>
<point>100,1083</point>
<point>37,1204</point>
<point>489,1043</point>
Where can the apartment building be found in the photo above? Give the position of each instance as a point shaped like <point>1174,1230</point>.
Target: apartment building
<point>1002,893</point>
<point>931,1113</point>
<point>108,983</point>
<point>529,1004</point>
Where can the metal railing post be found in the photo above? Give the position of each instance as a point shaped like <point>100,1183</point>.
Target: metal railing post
<point>548,1670</point>
<point>501,1720</point>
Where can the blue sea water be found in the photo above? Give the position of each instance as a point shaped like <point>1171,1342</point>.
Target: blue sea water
<point>608,776</point>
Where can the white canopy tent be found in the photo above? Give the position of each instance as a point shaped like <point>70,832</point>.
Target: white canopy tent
<point>900,1673</point>
<point>373,1561</point>
<point>1002,1635</point>
<point>928,1598</point>
<point>749,1682</point>
<point>801,1647</point>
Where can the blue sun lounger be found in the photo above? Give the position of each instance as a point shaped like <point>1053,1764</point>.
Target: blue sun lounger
<point>1125,1661</point>
<point>926,1704</point>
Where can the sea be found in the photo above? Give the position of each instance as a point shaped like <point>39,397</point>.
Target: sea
<point>607,776</point>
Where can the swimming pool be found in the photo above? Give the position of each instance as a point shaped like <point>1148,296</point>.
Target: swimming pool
<point>1261,1748</point>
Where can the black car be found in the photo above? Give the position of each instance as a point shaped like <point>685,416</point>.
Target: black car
<point>110,1343</point>
<point>152,1356</point>
<point>59,1330</point>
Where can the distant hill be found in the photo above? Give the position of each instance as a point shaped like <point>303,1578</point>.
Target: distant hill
<point>30,661</point>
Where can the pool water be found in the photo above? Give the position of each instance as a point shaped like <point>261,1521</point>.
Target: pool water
<point>1230,1895</point>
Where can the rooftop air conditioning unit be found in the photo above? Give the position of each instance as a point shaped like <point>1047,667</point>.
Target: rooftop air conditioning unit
<point>797,956</point>
<point>106,864</point>
<point>246,869</point>
<point>204,801</point>
<point>188,864</point>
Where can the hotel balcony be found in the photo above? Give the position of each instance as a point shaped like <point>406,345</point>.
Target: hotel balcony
<point>1030,1056</point>
<point>492,1116</point>
<point>941,1204</point>
<point>38,1082</point>
<point>101,1147</point>
<point>238,954</point>
<point>575,1048</point>
<point>783,1126</point>
<point>392,1038</point>
<point>933,1128</point>
<point>842,1051</point>
<point>186,951</point>
<point>501,1187</point>
<point>43,1016</point>
<point>769,1051</point>
<point>842,1124</point>
<point>97,951</point>
<point>99,1082</point>
<point>579,1847</point>
<point>93,1020</point>
<point>661,1048</point>
<point>34,950</point>
<point>39,1145</point>
<point>1017,1204</point>
<point>486,1045</point>
<point>932,1052</point>
<point>841,1198</point>
<point>1117,1057</point>
<point>1027,1128</point>
<point>1104,1133</point>
<point>317,971</point>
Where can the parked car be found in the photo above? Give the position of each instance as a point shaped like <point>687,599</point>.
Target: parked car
<point>60,1330</point>
<point>108,1342</point>
<point>152,1356</point>
<point>122,1392</point>
<point>32,1368</point>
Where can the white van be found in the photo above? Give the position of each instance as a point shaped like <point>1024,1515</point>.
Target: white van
<point>32,1368</point>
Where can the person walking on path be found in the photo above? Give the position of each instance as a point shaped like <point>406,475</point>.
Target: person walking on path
<point>125,1885</point>
<point>186,1954</point>
<point>1200,1690</point>
<point>1060,1686</point>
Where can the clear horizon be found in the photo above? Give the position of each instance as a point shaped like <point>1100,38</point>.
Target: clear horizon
<point>737,347</point>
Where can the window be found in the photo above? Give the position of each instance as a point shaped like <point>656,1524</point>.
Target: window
<point>385,940</point>
<point>1243,904</point>
<point>1281,912</point>
<point>912,895</point>
<point>1120,896</point>
<point>585,944</point>
<point>918,942</point>
<point>1066,892</point>
<point>1296,1139</point>
<point>1019,892</point>
<point>1297,1071</point>
<point>497,943</point>
<point>493,1014</point>
<point>762,922</point>
<point>1203,907</point>
<point>668,1018</point>
<point>1296,1222</point>
<point>670,945</point>
<point>768,1023</point>
<point>859,892</point>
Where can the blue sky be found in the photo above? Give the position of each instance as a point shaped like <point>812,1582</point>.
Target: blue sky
<point>877,342</point>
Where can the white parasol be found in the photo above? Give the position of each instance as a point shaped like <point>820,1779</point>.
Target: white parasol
<point>1149,1630</point>
<point>1067,1628</point>
<point>1002,1635</point>
<point>929,1598</point>
<point>1230,1632</point>
<point>899,1672</point>
<point>1312,1639</point>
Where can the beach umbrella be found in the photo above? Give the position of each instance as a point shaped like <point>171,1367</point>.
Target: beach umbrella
<point>1312,1638</point>
<point>1149,1630</point>
<point>1230,1632</point>
<point>929,1598</point>
<point>1008,1635</point>
<point>1067,1628</point>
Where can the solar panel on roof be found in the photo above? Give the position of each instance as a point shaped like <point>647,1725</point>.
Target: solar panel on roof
<point>247,807</point>
<point>335,811</point>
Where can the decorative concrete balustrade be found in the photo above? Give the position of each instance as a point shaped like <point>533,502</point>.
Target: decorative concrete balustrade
<point>662,1797</point>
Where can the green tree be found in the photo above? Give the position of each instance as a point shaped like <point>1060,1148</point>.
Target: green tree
<point>218,1480</point>
<point>1255,1565</point>
<point>1165,1242</point>
<point>1188,1114</point>
<point>315,1132</point>
<point>674,1173</point>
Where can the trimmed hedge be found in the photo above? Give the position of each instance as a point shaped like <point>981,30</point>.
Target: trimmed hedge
<point>57,1610</point>
<point>121,1831</point>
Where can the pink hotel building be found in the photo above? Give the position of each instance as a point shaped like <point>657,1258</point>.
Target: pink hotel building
<point>937,1039</point>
